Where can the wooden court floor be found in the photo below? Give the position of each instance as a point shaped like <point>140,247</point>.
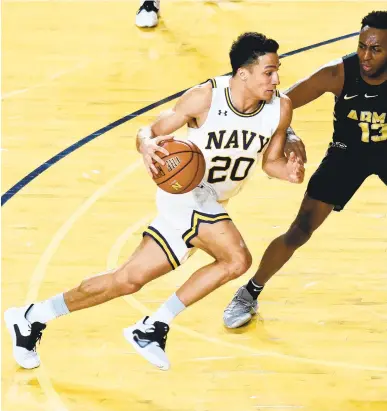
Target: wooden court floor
<point>71,68</point>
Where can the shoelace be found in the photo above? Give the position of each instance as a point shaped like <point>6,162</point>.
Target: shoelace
<point>35,337</point>
<point>236,300</point>
<point>161,331</point>
<point>245,303</point>
<point>38,339</point>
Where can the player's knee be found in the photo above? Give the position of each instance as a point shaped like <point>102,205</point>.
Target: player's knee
<point>299,233</point>
<point>240,261</point>
<point>127,283</point>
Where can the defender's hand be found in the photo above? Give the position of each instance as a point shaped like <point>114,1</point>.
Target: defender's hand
<point>149,148</point>
<point>295,144</point>
<point>296,169</point>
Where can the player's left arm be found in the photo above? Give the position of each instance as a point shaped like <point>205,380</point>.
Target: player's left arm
<point>274,162</point>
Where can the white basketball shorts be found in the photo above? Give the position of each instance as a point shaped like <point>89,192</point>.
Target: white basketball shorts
<point>179,217</point>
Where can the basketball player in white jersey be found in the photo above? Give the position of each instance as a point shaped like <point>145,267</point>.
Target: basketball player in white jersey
<point>233,120</point>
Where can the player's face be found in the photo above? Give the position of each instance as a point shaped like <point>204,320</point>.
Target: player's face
<point>262,77</point>
<point>372,52</point>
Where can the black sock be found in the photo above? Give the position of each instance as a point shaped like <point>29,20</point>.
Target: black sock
<point>254,289</point>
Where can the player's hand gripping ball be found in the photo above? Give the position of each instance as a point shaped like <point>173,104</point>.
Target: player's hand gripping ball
<point>183,168</point>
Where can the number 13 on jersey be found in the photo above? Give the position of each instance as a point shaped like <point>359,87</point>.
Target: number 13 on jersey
<point>369,133</point>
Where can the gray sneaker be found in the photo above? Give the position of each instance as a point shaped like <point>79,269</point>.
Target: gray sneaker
<point>240,310</point>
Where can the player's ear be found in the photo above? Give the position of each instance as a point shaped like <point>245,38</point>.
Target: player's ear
<point>242,73</point>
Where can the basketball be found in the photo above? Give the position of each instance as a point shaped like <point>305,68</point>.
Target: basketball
<point>183,169</point>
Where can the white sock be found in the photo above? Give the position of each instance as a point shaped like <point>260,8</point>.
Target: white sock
<point>48,309</point>
<point>168,311</point>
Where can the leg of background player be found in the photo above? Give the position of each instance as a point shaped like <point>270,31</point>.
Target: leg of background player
<point>244,304</point>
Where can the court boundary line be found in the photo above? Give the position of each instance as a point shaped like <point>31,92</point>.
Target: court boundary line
<point>80,143</point>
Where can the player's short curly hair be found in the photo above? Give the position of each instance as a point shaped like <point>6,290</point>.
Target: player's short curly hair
<point>375,19</point>
<point>248,47</point>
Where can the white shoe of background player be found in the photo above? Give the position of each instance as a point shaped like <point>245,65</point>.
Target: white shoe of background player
<point>148,13</point>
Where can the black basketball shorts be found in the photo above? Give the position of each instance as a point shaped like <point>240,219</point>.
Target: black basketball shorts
<point>343,171</point>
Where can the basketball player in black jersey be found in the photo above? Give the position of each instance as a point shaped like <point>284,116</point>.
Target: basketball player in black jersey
<point>358,150</point>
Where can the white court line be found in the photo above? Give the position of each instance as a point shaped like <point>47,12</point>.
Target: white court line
<point>131,300</point>
<point>54,401</point>
<point>313,283</point>
<point>376,314</point>
<point>279,406</point>
<point>44,83</point>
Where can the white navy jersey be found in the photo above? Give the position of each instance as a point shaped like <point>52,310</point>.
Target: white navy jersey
<point>231,141</point>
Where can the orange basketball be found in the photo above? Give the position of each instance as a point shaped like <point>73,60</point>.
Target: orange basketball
<point>183,169</point>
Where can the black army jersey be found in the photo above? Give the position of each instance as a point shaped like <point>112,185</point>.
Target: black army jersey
<point>360,116</point>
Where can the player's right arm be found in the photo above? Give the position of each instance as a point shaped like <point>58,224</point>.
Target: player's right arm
<point>329,78</point>
<point>190,106</point>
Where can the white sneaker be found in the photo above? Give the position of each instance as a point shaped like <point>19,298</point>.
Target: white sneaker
<point>148,13</point>
<point>240,310</point>
<point>24,336</point>
<point>149,340</point>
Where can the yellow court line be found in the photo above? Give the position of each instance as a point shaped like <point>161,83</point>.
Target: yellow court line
<point>54,401</point>
<point>131,300</point>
